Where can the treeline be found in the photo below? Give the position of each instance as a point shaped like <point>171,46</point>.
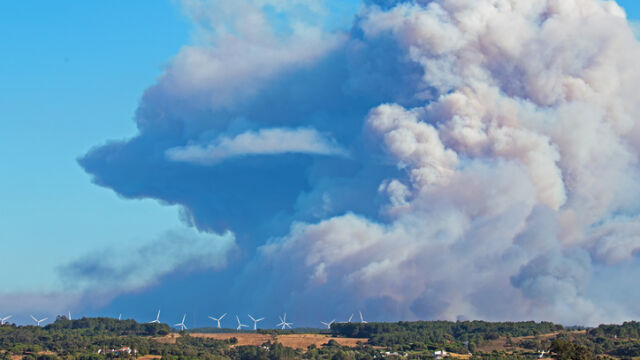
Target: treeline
<point>628,330</point>
<point>622,341</point>
<point>461,336</point>
<point>92,326</point>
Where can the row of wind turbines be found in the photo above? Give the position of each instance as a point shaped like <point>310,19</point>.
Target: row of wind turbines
<point>283,324</point>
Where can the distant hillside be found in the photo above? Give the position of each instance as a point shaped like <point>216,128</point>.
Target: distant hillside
<point>81,339</point>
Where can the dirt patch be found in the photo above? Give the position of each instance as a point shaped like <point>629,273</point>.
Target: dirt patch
<point>295,341</point>
<point>460,356</point>
<point>302,341</point>
<point>149,357</point>
<point>243,338</point>
<point>169,339</point>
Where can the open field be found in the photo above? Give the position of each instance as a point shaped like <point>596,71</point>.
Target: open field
<point>296,341</point>
<point>149,357</point>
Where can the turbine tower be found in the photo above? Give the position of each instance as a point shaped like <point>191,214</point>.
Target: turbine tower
<point>4,319</point>
<point>283,322</point>
<point>350,318</point>
<point>255,322</point>
<point>328,325</point>
<point>181,325</point>
<point>38,322</point>
<point>120,317</point>
<point>69,315</point>
<point>240,325</point>
<point>157,320</point>
<point>362,318</point>
<point>218,319</point>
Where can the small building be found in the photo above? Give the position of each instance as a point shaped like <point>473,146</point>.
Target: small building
<point>440,354</point>
<point>116,352</point>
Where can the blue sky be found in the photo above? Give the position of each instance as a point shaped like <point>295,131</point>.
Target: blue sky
<point>632,7</point>
<point>72,74</point>
<point>71,77</point>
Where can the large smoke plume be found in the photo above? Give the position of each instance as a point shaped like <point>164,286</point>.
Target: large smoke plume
<point>444,159</point>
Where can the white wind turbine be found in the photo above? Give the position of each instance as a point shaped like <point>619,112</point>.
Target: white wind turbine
<point>218,319</point>
<point>38,322</point>
<point>255,322</point>
<point>362,318</point>
<point>69,315</point>
<point>181,325</point>
<point>157,320</point>
<point>4,319</point>
<point>120,317</point>
<point>328,325</point>
<point>240,325</point>
<point>542,354</point>
<point>350,318</point>
<point>284,323</point>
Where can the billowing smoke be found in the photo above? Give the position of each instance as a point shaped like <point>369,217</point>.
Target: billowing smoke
<point>444,159</point>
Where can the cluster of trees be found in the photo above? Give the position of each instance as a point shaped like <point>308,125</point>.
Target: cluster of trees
<point>81,339</point>
<point>111,326</point>
<point>621,341</point>
<point>566,350</point>
<point>628,330</point>
<point>458,337</point>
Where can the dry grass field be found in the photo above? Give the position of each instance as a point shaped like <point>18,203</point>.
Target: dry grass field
<point>296,341</point>
<point>500,344</point>
<point>149,357</point>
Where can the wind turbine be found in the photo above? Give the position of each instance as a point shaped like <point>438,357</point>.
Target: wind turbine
<point>38,321</point>
<point>240,325</point>
<point>181,325</point>
<point>542,354</point>
<point>157,320</point>
<point>328,325</point>
<point>69,315</point>
<point>218,319</point>
<point>120,317</point>
<point>350,318</point>
<point>362,318</point>
<point>4,319</point>
<point>284,323</point>
<point>255,322</point>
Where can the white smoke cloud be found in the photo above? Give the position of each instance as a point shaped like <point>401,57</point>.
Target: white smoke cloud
<point>535,126</point>
<point>237,51</point>
<point>261,142</point>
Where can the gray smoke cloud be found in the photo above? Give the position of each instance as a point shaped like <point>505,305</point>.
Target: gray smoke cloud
<point>445,159</point>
